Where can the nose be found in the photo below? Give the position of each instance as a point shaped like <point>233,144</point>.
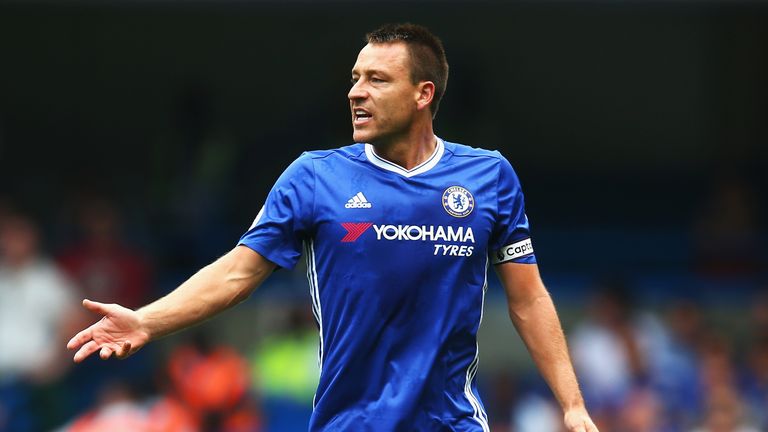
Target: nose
<point>357,91</point>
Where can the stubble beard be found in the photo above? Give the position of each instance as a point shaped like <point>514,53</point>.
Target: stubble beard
<point>382,139</point>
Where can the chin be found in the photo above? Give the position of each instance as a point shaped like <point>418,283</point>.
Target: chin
<point>363,136</point>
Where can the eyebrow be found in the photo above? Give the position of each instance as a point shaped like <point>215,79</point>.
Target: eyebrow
<point>372,72</point>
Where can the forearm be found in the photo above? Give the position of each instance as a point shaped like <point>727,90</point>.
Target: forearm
<point>215,288</point>
<point>537,323</point>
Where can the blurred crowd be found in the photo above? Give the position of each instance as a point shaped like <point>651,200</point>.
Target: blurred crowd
<point>196,385</point>
<point>663,367</point>
<point>672,369</point>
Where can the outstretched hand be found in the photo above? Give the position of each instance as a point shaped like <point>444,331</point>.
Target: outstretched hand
<point>578,420</point>
<point>119,332</point>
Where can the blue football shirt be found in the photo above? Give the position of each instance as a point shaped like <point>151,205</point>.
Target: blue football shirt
<point>397,265</point>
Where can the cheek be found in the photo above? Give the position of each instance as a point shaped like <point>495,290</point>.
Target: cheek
<point>395,107</point>
<point>404,110</point>
<point>398,105</point>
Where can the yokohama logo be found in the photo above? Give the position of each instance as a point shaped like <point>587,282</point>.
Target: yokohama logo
<point>354,230</point>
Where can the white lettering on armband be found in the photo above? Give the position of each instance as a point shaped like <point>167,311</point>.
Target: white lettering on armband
<point>512,251</point>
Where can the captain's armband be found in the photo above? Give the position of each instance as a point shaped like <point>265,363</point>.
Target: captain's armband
<point>509,252</point>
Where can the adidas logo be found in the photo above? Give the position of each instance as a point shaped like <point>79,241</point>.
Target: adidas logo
<point>358,201</point>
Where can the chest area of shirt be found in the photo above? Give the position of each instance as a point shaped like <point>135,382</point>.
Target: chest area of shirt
<point>451,216</point>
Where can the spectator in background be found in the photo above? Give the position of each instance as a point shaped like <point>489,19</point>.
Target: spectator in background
<point>672,348</point>
<point>285,370</point>
<point>606,351</point>
<point>38,309</point>
<point>208,388</point>
<point>205,390</point>
<point>36,300</point>
<point>755,378</point>
<point>641,412</point>
<point>756,381</point>
<point>504,393</point>
<point>536,413</point>
<point>104,267</point>
<point>725,410</point>
<point>725,413</point>
<point>117,410</point>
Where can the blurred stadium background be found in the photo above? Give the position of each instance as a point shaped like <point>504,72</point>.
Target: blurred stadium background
<point>138,140</point>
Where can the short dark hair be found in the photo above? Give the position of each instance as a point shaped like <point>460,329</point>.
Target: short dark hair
<point>428,62</point>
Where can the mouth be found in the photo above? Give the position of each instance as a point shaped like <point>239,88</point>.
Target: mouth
<point>361,116</point>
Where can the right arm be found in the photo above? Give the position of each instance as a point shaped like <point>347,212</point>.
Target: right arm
<point>216,287</point>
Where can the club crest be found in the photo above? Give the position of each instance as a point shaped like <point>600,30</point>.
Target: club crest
<point>458,202</point>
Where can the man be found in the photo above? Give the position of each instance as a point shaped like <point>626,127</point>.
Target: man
<point>398,234</point>
<point>37,310</point>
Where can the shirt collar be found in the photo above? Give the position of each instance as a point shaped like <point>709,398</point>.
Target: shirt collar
<point>419,169</point>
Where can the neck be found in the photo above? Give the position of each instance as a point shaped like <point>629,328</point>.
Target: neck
<point>408,151</point>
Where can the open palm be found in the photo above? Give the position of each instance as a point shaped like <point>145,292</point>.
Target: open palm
<point>118,332</point>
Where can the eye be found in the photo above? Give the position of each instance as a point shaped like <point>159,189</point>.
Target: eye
<point>353,80</point>
<point>376,80</point>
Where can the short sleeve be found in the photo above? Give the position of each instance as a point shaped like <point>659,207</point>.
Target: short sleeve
<point>511,238</point>
<point>285,220</point>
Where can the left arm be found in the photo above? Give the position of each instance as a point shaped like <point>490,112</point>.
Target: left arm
<point>533,313</point>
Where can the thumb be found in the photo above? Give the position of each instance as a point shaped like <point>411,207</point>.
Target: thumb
<point>99,308</point>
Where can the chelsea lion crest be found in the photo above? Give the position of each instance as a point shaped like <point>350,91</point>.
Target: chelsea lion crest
<point>458,202</point>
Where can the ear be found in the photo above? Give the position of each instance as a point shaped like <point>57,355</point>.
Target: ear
<point>425,94</point>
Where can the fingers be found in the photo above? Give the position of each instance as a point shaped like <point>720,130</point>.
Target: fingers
<point>580,423</point>
<point>86,350</point>
<point>121,351</point>
<point>585,426</point>
<point>99,308</point>
<point>124,350</point>
<point>80,338</point>
<point>106,352</point>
